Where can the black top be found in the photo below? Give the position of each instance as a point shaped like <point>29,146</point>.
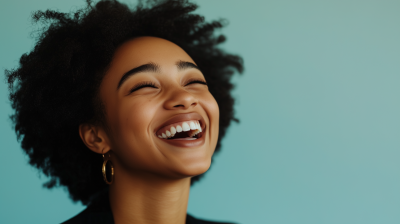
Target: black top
<point>99,212</point>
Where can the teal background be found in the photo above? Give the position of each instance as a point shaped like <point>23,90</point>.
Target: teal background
<point>318,140</point>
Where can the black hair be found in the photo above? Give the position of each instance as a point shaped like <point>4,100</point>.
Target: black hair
<point>55,87</point>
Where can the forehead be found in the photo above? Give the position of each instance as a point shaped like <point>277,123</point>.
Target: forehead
<point>143,50</point>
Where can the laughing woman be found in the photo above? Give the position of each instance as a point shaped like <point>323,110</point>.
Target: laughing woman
<point>124,107</point>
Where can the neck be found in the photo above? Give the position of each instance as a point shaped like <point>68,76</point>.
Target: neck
<point>149,200</point>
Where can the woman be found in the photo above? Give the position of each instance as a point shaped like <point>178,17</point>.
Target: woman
<point>124,107</point>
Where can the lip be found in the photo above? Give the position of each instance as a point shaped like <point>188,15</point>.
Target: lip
<point>180,118</point>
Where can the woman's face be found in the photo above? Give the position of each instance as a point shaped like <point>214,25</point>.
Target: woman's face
<point>151,92</point>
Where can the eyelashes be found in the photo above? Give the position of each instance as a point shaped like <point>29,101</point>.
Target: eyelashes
<point>143,85</point>
<point>154,85</point>
<point>193,81</point>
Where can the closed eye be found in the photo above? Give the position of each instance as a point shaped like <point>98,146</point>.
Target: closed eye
<point>143,85</point>
<point>194,81</point>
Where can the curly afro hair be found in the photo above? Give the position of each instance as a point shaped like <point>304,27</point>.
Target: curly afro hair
<point>55,87</point>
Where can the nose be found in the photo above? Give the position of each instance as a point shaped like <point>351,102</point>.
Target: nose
<point>180,99</point>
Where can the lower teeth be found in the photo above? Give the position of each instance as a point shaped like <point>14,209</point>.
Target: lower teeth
<point>184,139</point>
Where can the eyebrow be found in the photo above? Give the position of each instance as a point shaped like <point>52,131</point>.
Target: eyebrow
<point>149,67</point>
<point>153,67</point>
<point>182,65</point>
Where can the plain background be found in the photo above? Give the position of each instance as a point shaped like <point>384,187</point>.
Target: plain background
<point>318,140</point>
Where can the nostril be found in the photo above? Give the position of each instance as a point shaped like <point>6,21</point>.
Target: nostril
<point>179,105</point>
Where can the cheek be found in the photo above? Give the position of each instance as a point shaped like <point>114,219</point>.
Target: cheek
<point>211,107</point>
<point>214,111</point>
<point>132,132</point>
<point>137,116</point>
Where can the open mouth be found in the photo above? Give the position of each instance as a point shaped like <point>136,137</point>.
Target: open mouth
<point>184,130</point>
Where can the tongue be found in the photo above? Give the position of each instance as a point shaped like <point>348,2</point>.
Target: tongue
<point>180,139</point>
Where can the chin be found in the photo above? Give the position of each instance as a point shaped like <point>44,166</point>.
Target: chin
<point>195,168</point>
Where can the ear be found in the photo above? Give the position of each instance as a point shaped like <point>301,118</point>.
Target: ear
<point>95,138</point>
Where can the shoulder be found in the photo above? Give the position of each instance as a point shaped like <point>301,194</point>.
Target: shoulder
<point>91,217</point>
<point>192,220</point>
<point>98,212</point>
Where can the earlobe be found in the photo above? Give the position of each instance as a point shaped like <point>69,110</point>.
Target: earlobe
<point>94,138</point>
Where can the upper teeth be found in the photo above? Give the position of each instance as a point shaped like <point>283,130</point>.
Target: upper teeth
<point>179,127</point>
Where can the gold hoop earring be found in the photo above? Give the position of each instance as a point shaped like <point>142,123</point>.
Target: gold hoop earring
<point>103,169</point>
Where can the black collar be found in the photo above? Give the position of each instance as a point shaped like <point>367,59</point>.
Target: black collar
<point>99,212</point>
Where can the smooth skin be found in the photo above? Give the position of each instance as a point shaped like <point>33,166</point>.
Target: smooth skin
<point>152,177</point>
